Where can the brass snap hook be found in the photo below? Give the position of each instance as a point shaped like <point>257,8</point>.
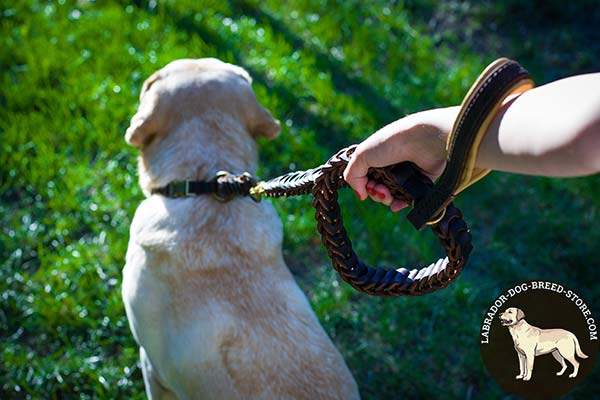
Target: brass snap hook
<point>257,191</point>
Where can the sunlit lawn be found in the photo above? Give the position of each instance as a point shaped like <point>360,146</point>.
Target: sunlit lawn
<point>332,74</point>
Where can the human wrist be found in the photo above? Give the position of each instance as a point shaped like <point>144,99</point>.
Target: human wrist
<point>440,119</point>
<point>432,128</point>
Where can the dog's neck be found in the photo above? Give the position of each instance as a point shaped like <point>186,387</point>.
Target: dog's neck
<point>520,326</point>
<point>195,150</point>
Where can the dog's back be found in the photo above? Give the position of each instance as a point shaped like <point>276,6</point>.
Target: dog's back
<point>216,309</point>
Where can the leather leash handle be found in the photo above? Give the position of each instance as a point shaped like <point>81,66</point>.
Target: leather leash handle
<point>406,182</point>
<point>500,79</point>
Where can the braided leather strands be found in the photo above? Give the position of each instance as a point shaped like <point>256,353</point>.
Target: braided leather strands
<point>406,183</point>
<point>292,184</point>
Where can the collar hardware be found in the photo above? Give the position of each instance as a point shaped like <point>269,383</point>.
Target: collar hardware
<point>224,187</point>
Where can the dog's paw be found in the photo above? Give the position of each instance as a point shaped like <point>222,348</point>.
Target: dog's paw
<point>519,377</point>
<point>526,378</point>
<point>573,375</point>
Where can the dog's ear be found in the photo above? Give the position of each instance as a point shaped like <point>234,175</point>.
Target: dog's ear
<point>149,82</point>
<point>520,314</point>
<point>142,127</point>
<point>265,125</point>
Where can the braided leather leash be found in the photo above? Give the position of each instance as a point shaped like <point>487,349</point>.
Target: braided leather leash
<point>406,183</point>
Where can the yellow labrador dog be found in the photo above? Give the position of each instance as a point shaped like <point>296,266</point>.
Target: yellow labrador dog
<point>210,301</point>
<point>531,341</point>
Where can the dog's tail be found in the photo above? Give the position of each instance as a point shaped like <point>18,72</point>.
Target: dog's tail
<point>580,353</point>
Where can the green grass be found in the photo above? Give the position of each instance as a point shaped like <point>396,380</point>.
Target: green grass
<point>71,73</point>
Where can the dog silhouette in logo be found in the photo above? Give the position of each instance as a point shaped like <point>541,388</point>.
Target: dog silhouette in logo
<point>531,341</point>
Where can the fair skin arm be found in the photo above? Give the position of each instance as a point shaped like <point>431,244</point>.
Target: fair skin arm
<point>551,130</point>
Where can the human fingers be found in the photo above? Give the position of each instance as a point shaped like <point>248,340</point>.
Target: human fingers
<point>381,194</point>
<point>371,191</point>
<point>398,205</point>
<point>355,174</point>
<point>377,193</point>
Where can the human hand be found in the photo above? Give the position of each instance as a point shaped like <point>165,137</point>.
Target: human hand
<point>420,138</point>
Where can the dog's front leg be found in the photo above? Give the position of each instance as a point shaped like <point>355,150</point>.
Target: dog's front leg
<point>521,364</point>
<point>529,359</point>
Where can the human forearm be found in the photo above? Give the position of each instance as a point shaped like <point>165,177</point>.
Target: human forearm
<point>552,130</point>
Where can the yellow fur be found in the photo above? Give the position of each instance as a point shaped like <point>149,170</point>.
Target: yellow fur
<point>210,301</point>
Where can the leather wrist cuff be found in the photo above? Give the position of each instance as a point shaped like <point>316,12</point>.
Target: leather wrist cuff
<point>471,173</point>
<point>502,78</point>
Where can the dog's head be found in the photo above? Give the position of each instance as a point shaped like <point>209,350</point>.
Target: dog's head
<point>511,316</point>
<point>188,88</point>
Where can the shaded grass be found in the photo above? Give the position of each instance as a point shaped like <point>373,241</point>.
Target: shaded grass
<point>71,73</point>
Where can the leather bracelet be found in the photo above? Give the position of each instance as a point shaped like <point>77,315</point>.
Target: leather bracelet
<point>501,79</point>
